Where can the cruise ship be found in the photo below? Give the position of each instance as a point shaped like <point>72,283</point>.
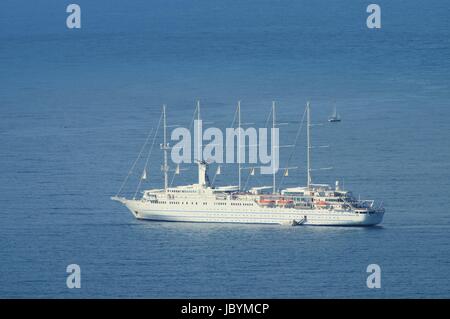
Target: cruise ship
<point>312,204</point>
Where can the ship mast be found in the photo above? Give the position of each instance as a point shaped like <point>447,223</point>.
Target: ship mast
<point>165,147</point>
<point>201,164</point>
<point>308,151</point>
<point>239,144</point>
<point>273,147</point>
<point>199,133</point>
<point>199,138</point>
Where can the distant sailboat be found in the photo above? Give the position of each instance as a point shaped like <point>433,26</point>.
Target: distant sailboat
<point>334,117</point>
<point>144,175</point>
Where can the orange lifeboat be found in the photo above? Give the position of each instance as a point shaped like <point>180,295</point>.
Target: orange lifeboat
<point>266,201</point>
<point>321,203</point>
<point>284,201</point>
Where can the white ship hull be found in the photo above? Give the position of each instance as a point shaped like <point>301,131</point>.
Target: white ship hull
<point>260,215</point>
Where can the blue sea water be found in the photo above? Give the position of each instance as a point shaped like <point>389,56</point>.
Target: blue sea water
<point>76,106</point>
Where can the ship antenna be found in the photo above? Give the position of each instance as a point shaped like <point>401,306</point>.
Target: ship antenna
<point>308,151</point>
<point>239,143</point>
<point>165,147</point>
<point>273,147</point>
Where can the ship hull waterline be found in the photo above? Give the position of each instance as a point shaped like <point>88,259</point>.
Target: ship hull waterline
<point>279,216</point>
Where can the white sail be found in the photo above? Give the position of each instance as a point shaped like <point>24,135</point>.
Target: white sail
<point>177,170</point>
<point>144,175</point>
<point>335,116</point>
<point>286,172</point>
<point>218,172</point>
<point>252,171</point>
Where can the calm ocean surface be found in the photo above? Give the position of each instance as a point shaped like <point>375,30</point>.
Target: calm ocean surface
<point>76,106</point>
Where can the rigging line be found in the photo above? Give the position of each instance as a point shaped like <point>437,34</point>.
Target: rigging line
<point>295,144</point>
<point>214,178</point>
<point>268,118</point>
<point>135,162</point>
<point>234,118</point>
<point>171,181</point>
<point>148,155</point>
<point>232,125</point>
<point>190,128</point>
<point>248,176</point>
<point>258,180</point>
<point>193,118</point>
